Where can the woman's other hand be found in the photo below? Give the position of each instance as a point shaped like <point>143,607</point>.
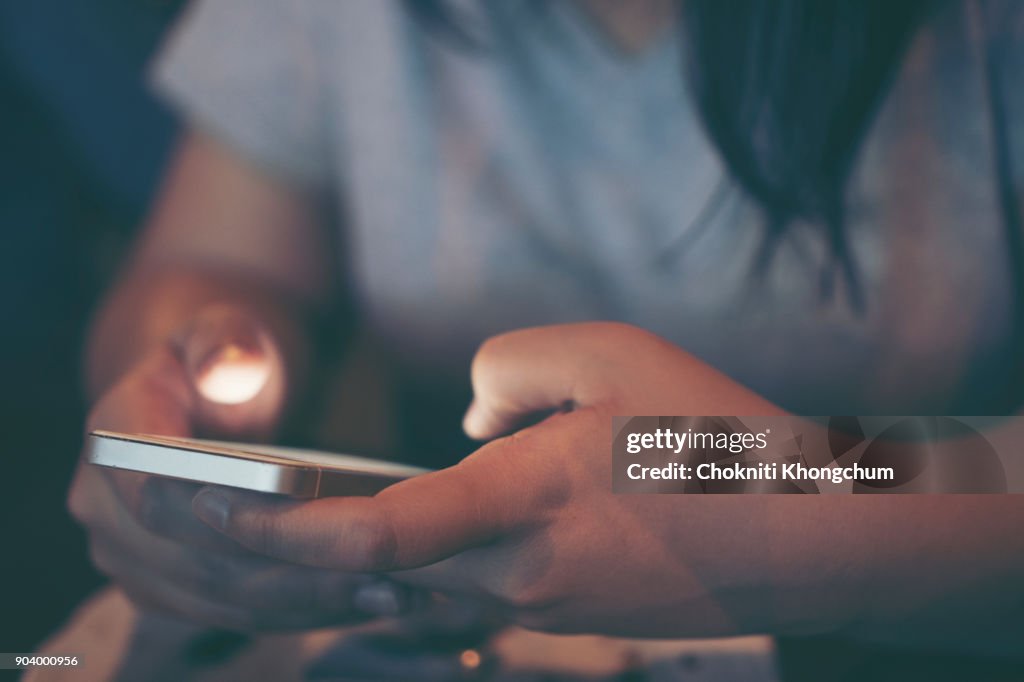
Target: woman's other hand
<point>222,376</point>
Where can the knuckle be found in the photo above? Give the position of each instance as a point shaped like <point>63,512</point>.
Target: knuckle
<point>483,362</point>
<point>490,347</point>
<point>491,351</point>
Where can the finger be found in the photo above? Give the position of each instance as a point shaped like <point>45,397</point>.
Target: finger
<point>382,597</point>
<point>155,398</point>
<point>167,598</point>
<point>531,370</point>
<point>91,502</point>
<point>133,554</point>
<point>158,598</point>
<point>153,591</point>
<point>254,593</point>
<point>413,523</point>
<point>164,507</point>
<point>161,506</point>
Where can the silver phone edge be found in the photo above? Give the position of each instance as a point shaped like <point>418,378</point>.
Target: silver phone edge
<point>203,467</point>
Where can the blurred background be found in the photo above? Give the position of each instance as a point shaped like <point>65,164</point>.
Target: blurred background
<point>83,143</point>
<point>82,146</point>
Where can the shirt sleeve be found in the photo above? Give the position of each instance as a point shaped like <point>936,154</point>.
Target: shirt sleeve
<point>246,72</point>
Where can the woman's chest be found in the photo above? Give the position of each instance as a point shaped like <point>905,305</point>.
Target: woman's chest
<point>473,209</point>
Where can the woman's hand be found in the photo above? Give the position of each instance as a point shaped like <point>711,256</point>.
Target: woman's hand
<point>221,376</point>
<point>529,520</point>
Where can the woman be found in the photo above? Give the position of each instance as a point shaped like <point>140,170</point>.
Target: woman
<point>822,216</point>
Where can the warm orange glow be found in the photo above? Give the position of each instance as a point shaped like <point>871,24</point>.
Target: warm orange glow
<point>233,376</point>
<point>470,659</point>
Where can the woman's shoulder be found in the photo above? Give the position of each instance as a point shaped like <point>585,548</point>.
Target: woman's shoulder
<point>957,69</point>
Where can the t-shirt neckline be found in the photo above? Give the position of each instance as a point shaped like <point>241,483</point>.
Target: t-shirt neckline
<point>587,35</point>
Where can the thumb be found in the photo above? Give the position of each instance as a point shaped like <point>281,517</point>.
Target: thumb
<point>410,524</point>
<point>236,370</point>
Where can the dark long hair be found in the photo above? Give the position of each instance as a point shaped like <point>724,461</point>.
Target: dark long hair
<point>786,90</point>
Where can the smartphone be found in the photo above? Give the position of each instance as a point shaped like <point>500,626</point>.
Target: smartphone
<point>263,468</point>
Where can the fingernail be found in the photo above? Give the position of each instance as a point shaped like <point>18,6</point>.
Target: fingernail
<point>212,507</point>
<point>379,599</point>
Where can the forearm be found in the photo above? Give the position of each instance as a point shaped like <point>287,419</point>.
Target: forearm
<point>927,570</point>
<point>934,570</point>
<point>221,231</point>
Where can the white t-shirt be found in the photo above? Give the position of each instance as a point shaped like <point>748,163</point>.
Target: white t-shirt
<point>549,178</point>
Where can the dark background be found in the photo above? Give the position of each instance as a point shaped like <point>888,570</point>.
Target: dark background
<point>81,145</point>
